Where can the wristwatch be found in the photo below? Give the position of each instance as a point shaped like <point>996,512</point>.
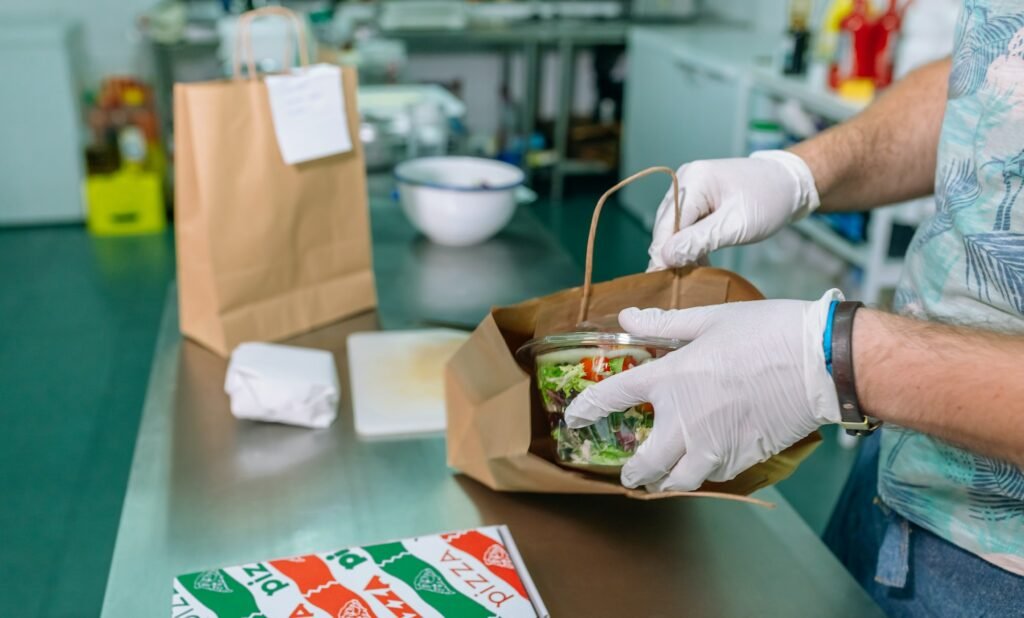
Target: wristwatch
<point>851,418</point>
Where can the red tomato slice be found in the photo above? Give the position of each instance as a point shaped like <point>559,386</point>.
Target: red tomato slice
<point>628,363</point>
<point>588,369</point>
<point>646,408</point>
<point>595,368</point>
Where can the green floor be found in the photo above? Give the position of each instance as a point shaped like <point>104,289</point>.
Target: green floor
<point>78,320</point>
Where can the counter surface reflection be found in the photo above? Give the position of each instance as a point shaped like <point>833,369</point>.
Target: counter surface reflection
<point>206,490</point>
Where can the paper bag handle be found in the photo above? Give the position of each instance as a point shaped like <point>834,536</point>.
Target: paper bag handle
<point>243,39</point>
<point>589,270</point>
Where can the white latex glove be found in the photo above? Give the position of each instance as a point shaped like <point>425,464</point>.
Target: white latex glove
<point>731,202</point>
<point>751,383</point>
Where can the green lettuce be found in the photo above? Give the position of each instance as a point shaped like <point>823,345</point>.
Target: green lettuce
<point>567,379</point>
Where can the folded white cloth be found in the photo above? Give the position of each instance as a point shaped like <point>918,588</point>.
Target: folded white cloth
<point>283,384</point>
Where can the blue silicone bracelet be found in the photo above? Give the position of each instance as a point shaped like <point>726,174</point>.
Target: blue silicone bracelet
<point>826,340</point>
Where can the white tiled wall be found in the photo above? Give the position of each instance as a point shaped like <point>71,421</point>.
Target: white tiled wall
<point>111,42</point>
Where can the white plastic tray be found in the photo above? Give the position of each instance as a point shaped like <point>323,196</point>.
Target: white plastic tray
<point>398,380</point>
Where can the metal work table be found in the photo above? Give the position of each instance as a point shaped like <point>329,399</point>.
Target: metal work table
<point>206,490</point>
<point>420,284</point>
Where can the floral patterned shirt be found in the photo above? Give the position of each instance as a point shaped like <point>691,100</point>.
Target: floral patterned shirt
<point>966,266</point>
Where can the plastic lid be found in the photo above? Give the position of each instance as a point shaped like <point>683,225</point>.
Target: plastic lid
<point>542,345</point>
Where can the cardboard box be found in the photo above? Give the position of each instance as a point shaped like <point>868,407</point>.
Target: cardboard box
<point>469,573</point>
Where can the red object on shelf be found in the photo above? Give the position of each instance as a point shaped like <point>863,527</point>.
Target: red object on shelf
<point>855,51</point>
<point>887,30</point>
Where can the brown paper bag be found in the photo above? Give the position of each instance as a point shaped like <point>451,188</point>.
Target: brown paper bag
<point>497,432</point>
<point>265,250</point>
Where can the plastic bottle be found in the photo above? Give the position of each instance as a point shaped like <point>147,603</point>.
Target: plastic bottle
<point>828,36</point>
<point>887,30</point>
<point>765,135</point>
<point>798,38</point>
<point>132,146</point>
<point>854,57</point>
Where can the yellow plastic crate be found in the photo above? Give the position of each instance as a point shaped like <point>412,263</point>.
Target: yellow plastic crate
<point>125,203</point>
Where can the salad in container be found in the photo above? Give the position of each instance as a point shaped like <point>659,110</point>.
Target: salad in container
<point>566,365</point>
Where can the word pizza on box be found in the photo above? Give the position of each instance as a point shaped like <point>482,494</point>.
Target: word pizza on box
<point>472,573</point>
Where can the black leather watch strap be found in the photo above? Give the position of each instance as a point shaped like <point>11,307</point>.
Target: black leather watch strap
<point>852,419</point>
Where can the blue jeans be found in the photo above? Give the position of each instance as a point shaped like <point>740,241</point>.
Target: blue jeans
<point>906,569</point>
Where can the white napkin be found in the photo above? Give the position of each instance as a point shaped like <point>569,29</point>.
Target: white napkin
<point>283,384</point>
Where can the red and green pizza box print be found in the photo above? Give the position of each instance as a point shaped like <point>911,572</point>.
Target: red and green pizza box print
<point>472,574</point>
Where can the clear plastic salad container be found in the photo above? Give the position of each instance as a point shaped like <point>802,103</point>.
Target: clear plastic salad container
<point>565,365</point>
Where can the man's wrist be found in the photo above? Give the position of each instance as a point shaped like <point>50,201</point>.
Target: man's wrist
<point>819,153</point>
<point>805,200</point>
<point>868,355</point>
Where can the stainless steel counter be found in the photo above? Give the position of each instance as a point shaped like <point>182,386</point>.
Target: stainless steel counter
<point>422,284</point>
<point>206,490</point>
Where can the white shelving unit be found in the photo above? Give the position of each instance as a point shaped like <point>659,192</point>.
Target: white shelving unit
<point>813,98</point>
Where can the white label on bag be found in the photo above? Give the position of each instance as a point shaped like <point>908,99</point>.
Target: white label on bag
<point>308,109</point>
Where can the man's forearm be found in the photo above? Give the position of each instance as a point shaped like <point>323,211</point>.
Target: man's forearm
<point>963,385</point>
<point>886,153</point>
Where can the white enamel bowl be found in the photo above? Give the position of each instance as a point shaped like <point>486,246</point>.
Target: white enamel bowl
<point>458,201</point>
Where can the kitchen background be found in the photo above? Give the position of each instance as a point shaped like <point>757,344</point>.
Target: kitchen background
<point>576,93</point>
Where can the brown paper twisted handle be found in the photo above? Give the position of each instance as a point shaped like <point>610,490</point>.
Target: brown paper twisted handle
<point>243,39</point>
<point>679,194</point>
<point>589,270</point>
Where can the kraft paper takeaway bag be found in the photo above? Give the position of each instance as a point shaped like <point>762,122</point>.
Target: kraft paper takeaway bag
<point>497,431</point>
<point>265,250</point>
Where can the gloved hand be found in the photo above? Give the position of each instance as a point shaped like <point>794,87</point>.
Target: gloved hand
<point>751,383</point>
<point>731,202</point>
